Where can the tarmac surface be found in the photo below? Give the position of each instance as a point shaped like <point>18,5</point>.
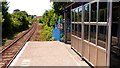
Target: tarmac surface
<point>47,53</point>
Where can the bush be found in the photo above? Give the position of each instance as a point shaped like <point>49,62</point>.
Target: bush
<point>47,33</point>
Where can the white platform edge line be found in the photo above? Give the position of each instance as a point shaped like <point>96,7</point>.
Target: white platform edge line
<point>17,57</point>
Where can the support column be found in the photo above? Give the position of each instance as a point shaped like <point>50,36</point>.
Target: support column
<point>82,37</point>
<point>109,20</point>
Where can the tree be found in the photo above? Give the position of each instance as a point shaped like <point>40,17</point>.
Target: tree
<point>20,21</point>
<point>6,24</point>
<point>16,10</point>
<point>49,18</point>
<point>59,7</point>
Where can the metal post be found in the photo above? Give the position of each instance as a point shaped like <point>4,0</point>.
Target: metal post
<point>89,27</point>
<point>109,31</point>
<point>97,23</point>
<point>97,28</point>
<point>82,37</point>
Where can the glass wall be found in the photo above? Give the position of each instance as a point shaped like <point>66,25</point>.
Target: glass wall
<point>102,35</point>
<point>93,12</point>
<point>102,22</point>
<point>102,12</point>
<point>115,36</point>
<point>76,14</point>
<point>86,17</point>
<point>79,21</point>
<point>76,28</point>
<point>80,14</point>
<point>102,25</point>
<point>93,25</point>
<point>73,28</point>
<point>96,31</point>
<point>86,31</point>
<point>79,30</point>
<point>72,11</point>
<point>93,34</point>
<point>116,10</point>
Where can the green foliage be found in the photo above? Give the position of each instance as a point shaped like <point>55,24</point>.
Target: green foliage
<point>1,20</point>
<point>59,7</point>
<point>47,33</point>
<point>6,24</point>
<point>20,20</point>
<point>49,18</point>
<point>15,22</point>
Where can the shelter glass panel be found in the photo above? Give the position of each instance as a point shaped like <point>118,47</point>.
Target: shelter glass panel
<point>93,33</point>
<point>86,19</point>
<point>115,36</point>
<point>79,30</point>
<point>79,14</point>
<point>116,12</point>
<point>73,28</point>
<point>93,12</point>
<point>76,29</point>
<point>102,12</point>
<point>72,11</point>
<point>102,35</point>
<point>86,31</point>
<point>76,14</point>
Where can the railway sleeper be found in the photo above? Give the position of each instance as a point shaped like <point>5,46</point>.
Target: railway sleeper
<point>8,56</point>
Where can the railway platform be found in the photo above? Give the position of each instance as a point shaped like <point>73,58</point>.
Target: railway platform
<point>50,53</point>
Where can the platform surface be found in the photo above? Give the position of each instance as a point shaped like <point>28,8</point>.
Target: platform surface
<point>51,53</point>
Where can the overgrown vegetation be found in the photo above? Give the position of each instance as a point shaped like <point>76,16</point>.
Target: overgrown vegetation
<point>47,33</point>
<point>20,20</point>
<point>49,19</point>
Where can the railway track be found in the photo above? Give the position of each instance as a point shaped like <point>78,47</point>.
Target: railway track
<point>9,52</point>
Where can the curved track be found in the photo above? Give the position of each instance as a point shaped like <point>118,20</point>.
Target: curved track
<point>9,52</point>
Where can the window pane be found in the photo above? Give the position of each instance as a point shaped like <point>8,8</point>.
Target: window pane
<point>76,29</point>
<point>102,12</point>
<point>93,12</point>
<point>102,36</point>
<point>72,15</point>
<point>79,30</point>
<point>73,28</point>
<point>79,14</point>
<point>116,11</point>
<point>114,33</point>
<point>116,23</point>
<point>115,36</point>
<point>86,13</point>
<point>86,31</point>
<point>93,33</point>
<point>76,10</point>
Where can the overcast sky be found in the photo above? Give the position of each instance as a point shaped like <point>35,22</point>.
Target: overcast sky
<point>32,7</point>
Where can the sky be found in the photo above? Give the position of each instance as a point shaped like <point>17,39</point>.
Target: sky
<point>32,7</point>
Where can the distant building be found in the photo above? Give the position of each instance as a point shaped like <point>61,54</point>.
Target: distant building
<point>16,10</point>
<point>38,17</point>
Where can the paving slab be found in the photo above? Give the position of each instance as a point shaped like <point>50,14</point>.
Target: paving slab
<point>47,53</point>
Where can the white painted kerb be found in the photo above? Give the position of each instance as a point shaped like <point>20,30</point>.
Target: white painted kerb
<point>17,57</point>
